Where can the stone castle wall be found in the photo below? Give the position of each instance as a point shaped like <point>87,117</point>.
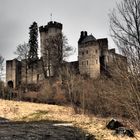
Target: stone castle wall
<point>94,57</point>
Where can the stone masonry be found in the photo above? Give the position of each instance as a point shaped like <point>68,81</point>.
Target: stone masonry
<point>94,57</point>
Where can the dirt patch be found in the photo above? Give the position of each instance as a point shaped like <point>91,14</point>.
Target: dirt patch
<point>40,130</point>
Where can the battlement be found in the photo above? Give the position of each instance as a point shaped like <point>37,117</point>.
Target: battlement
<point>50,24</point>
<point>103,41</point>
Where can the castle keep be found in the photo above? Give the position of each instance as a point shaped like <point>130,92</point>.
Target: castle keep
<point>94,57</point>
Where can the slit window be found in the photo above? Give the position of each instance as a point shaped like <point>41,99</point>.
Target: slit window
<point>96,61</point>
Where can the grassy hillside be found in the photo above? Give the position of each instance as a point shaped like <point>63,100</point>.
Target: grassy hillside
<point>29,112</point>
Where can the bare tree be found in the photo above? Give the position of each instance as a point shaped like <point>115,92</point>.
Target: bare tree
<point>56,51</point>
<point>1,66</point>
<point>1,74</point>
<point>69,79</point>
<point>125,31</point>
<point>22,52</point>
<point>67,49</point>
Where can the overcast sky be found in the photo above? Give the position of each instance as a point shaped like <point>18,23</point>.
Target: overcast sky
<point>76,15</point>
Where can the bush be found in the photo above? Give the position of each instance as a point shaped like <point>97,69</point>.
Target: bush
<point>46,93</point>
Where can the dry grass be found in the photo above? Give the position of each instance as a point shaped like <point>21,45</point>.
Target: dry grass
<point>19,111</point>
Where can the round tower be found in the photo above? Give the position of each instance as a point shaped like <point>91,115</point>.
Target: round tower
<point>88,55</point>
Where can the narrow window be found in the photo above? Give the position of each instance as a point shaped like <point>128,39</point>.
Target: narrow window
<point>87,62</point>
<point>96,51</point>
<point>87,51</point>
<point>82,53</point>
<point>96,61</point>
<point>37,77</point>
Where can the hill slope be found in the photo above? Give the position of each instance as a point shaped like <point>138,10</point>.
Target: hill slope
<point>42,116</point>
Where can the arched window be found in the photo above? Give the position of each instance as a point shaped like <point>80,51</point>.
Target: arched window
<point>10,84</point>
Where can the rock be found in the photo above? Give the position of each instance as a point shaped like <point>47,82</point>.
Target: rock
<point>90,137</point>
<point>130,133</point>
<point>124,131</point>
<point>113,124</point>
<point>119,128</point>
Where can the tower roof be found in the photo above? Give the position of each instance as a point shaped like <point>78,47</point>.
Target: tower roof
<point>84,38</point>
<point>88,38</point>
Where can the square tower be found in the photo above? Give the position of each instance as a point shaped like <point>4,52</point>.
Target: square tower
<point>51,46</point>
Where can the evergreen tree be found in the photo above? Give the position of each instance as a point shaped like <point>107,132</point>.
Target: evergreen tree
<point>33,41</point>
<point>33,48</point>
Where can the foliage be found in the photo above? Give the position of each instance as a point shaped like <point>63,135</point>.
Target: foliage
<point>46,93</point>
<point>33,42</point>
<point>33,47</point>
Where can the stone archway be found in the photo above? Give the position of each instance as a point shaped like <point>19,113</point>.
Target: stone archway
<point>10,84</point>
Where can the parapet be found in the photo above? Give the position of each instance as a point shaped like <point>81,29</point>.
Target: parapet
<point>50,25</point>
<point>103,41</point>
<point>112,50</point>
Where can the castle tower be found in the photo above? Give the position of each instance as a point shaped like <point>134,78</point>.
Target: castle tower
<point>88,55</point>
<point>51,46</point>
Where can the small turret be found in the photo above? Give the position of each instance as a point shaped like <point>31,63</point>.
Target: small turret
<point>82,36</point>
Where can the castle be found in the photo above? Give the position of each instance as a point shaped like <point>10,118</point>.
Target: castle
<point>94,57</point>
